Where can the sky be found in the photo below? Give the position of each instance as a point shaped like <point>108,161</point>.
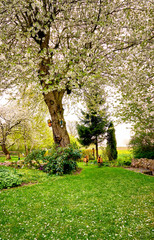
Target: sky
<point>123,134</point>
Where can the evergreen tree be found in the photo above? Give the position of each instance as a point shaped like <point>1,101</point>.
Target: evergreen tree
<point>92,129</point>
<point>111,143</point>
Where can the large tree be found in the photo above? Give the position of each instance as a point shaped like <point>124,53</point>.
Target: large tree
<point>60,46</point>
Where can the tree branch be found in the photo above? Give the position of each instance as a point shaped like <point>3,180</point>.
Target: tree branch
<point>98,18</point>
<point>129,46</point>
<point>14,125</point>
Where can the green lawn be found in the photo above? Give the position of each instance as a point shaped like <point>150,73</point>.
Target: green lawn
<point>13,158</point>
<point>100,203</point>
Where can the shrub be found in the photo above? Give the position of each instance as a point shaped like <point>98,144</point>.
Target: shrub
<point>59,161</point>
<point>127,162</point>
<point>121,162</point>
<point>62,161</point>
<point>143,145</point>
<point>34,157</point>
<point>104,154</point>
<point>143,153</point>
<point>106,164</point>
<point>9,179</point>
<point>92,161</point>
<point>88,152</point>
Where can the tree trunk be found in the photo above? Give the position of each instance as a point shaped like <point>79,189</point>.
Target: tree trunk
<point>96,148</point>
<point>6,152</point>
<point>26,150</point>
<point>53,100</point>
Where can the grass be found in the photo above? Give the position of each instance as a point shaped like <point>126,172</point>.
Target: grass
<point>13,158</point>
<point>100,203</point>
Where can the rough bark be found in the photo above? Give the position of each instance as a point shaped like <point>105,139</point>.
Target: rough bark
<point>53,98</point>
<point>5,151</point>
<point>54,102</point>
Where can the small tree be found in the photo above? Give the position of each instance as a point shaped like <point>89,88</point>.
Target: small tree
<point>92,130</point>
<point>7,127</point>
<point>111,143</point>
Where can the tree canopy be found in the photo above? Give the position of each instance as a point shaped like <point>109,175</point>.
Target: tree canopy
<point>60,46</point>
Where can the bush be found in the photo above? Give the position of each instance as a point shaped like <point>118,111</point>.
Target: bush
<point>34,157</point>
<point>92,161</point>
<point>59,161</point>
<point>88,152</point>
<point>9,179</point>
<point>143,153</point>
<point>106,164</point>
<point>142,144</point>
<point>127,163</point>
<point>121,162</point>
<point>104,154</point>
<point>62,161</point>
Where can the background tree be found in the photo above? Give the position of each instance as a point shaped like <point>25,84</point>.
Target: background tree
<point>9,122</point>
<point>33,133</point>
<point>92,130</point>
<point>135,104</point>
<point>111,148</point>
<point>20,138</point>
<point>22,130</point>
<point>60,46</point>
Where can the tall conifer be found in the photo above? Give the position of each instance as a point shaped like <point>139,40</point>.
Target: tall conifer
<point>111,143</point>
<point>92,130</point>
